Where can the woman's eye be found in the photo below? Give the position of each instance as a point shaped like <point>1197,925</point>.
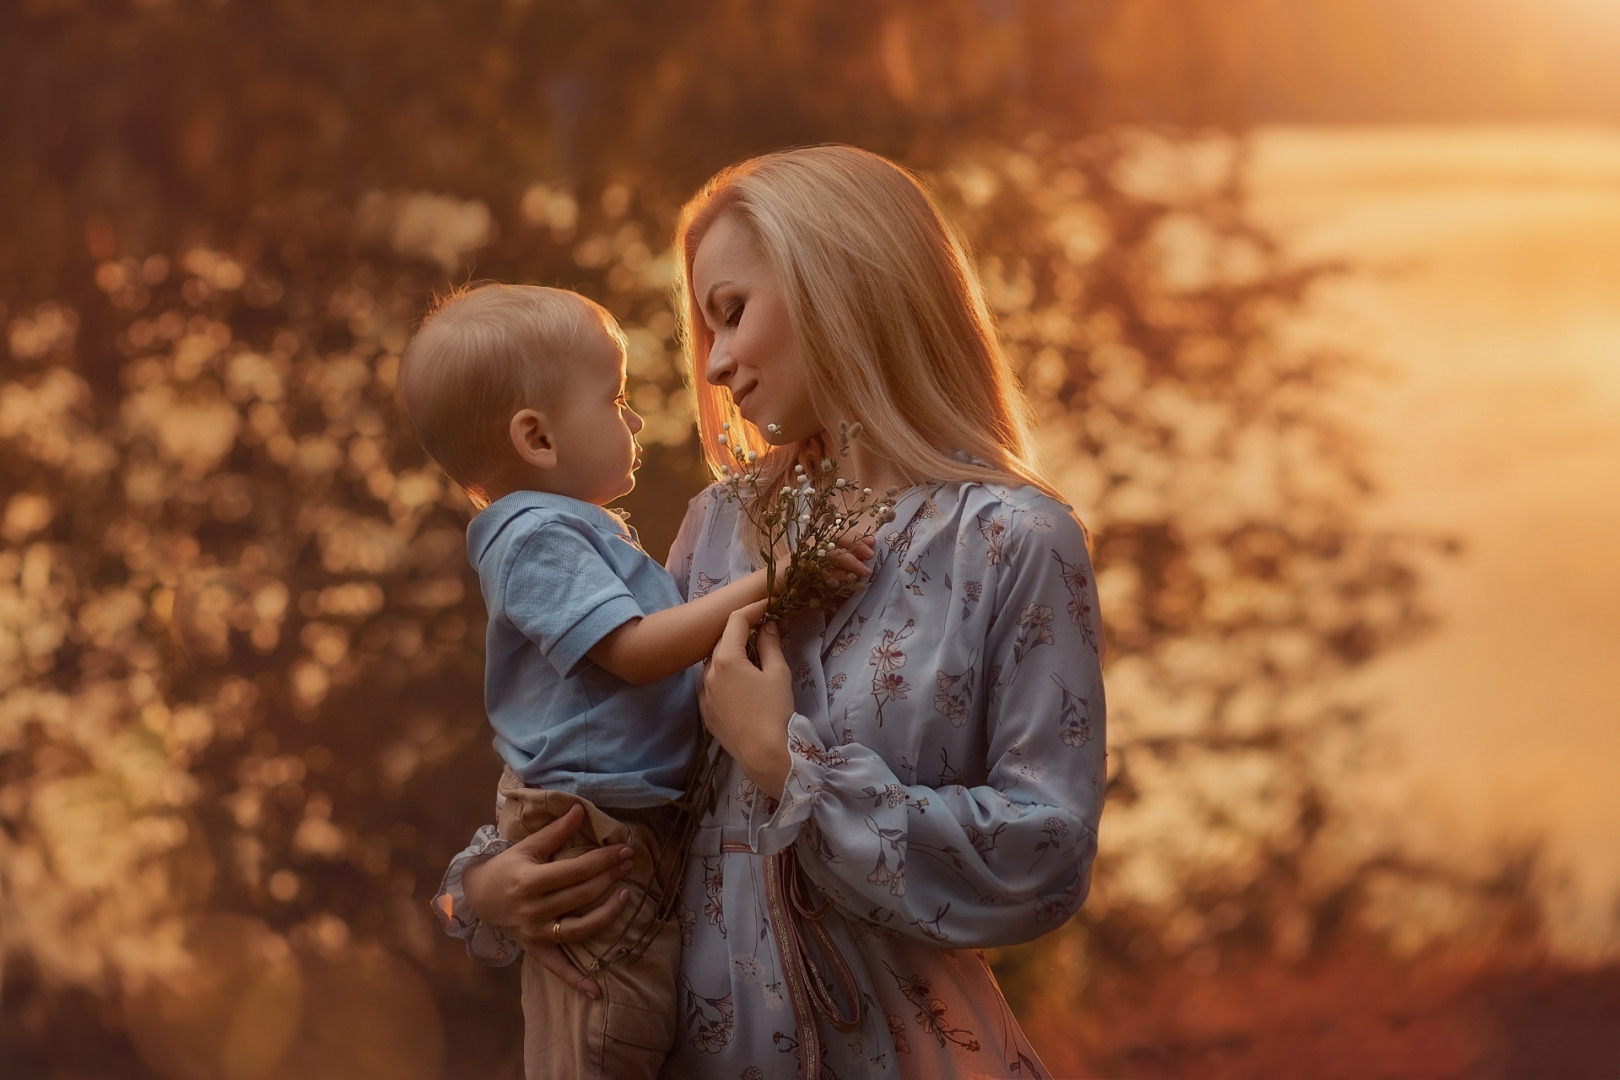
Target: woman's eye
<point>734,315</point>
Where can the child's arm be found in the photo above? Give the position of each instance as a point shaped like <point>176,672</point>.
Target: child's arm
<point>657,646</point>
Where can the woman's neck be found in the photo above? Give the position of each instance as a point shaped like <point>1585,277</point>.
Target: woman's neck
<point>866,468</point>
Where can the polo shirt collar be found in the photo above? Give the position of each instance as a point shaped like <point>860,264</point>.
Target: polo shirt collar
<point>487,525</point>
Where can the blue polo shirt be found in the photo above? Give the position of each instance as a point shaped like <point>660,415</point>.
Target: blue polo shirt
<point>558,575</point>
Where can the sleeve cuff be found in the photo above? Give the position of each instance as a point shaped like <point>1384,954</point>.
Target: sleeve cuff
<point>583,636</point>
<point>773,826</point>
<point>485,943</point>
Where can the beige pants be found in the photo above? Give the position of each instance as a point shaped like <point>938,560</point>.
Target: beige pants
<point>631,1028</point>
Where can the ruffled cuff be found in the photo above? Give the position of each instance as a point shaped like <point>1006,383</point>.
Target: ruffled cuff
<point>774,826</point>
<point>485,943</point>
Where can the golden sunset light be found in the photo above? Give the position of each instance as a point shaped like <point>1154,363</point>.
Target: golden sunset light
<point>1315,305</point>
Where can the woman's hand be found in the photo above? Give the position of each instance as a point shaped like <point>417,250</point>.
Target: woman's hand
<point>747,707</point>
<point>518,891</point>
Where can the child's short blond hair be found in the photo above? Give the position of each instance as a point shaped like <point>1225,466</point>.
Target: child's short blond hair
<point>482,354</point>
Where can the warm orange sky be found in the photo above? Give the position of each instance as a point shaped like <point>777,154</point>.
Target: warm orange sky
<point>1490,286</point>
<point>1362,61</point>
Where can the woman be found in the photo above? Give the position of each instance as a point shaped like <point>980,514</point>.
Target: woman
<point>918,774</point>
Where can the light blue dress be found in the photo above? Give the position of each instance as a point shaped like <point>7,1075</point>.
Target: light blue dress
<point>947,783</point>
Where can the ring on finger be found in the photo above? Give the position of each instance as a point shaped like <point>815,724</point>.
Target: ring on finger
<point>556,932</point>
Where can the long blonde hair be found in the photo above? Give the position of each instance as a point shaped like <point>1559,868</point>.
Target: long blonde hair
<point>885,307</point>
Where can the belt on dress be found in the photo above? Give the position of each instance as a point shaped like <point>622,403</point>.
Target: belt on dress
<point>791,912</point>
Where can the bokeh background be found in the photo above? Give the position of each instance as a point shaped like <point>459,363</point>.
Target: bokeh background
<point>1319,304</point>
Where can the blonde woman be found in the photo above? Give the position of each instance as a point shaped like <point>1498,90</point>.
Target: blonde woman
<point>919,774</point>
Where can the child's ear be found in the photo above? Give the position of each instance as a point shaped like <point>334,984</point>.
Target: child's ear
<point>531,438</point>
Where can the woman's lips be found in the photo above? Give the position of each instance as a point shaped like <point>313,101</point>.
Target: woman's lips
<point>737,396</point>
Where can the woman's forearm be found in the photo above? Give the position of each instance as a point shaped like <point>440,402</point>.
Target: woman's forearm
<point>951,866</point>
<point>766,762</point>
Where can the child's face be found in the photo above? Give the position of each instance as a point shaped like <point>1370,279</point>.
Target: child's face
<point>594,428</point>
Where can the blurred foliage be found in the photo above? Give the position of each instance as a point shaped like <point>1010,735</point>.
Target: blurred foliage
<point>240,645</point>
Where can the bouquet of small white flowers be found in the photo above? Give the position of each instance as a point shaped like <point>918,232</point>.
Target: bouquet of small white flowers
<point>803,524</point>
<point>800,526</point>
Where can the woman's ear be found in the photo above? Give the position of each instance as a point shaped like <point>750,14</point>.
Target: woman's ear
<point>531,438</point>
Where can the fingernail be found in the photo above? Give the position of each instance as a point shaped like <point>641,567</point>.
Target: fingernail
<point>627,853</point>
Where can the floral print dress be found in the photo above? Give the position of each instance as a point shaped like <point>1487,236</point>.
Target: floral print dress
<point>947,782</point>
<point>946,787</point>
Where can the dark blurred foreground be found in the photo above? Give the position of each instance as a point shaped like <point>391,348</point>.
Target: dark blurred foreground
<point>240,648</point>
<point>1350,1014</point>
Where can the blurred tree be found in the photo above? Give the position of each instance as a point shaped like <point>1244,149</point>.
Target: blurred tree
<point>239,641</point>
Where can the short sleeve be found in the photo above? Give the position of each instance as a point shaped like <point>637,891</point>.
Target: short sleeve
<point>561,593</point>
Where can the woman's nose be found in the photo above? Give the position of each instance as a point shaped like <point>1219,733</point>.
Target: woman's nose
<point>720,366</point>
<point>632,420</point>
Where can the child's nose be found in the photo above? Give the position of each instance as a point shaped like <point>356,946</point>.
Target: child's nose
<point>633,420</point>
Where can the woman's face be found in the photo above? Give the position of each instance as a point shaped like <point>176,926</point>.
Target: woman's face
<point>754,354</point>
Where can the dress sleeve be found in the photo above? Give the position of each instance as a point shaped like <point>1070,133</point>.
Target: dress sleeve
<point>973,865</point>
<point>485,943</point>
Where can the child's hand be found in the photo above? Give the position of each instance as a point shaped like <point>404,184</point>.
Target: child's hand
<point>861,546</point>
<point>849,560</point>
<point>846,564</point>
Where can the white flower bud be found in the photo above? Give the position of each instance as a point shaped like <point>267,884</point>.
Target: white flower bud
<point>723,440</point>
<point>866,491</point>
<point>726,426</point>
<point>752,455</point>
<point>787,491</point>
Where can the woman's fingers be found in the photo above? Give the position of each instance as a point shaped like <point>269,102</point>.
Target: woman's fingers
<point>733,644</point>
<point>597,919</point>
<point>546,842</point>
<point>573,928</point>
<point>614,858</point>
<point>552,959</point>
<point>848,560</point>
<point>858,542</point>
<point>555,900</point>
<point>769,647</point>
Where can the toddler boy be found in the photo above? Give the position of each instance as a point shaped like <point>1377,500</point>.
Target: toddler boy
<point>518,392</point>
